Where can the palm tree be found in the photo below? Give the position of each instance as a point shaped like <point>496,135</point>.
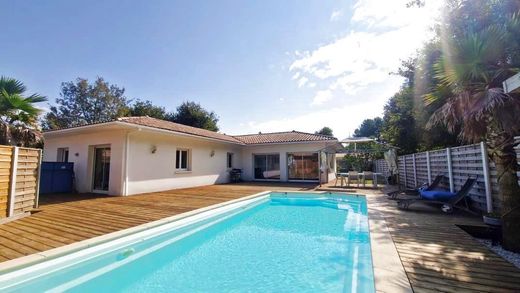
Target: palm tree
<point>468,86</point>
<point>18,114</point>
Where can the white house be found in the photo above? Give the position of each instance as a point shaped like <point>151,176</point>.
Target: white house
<point>134,155</point>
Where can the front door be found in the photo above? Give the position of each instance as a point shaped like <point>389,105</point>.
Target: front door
<point>101,169</point>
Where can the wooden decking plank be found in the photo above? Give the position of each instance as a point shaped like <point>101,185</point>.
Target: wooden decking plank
<point>448,260</point>
<point>463,267</point>
<point>8,253</point>
<point>474,278</point>
<point>24,241</point>
<point>97,220</point>
<point>38,235</point>
<point>61,229</point>
<point>44,230</point>
<point>443,281</point>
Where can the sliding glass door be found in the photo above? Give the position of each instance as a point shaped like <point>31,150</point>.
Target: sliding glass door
<point>101,169</point>
<point>303,166</point>
<point>267,166</point>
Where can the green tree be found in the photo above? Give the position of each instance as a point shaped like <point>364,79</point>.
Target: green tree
<point>480,50</point>
<point>370,128</point>
<point>81,102</point>
<point>18,114</point>
<point>325,131</point>
<point>192,114</point>
<point>399,126</point>
<point>147,108</point>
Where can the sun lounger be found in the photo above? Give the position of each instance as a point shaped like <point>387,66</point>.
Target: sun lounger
<point>435,184</point>
<point>447,199</point>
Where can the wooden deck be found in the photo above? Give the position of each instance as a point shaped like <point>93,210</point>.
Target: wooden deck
<point>437,256</point>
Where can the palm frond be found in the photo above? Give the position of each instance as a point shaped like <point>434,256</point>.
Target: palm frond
<point>11,85</point>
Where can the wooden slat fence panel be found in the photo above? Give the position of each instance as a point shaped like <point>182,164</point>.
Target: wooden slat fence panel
<point>26,180</point>
<point>5,173</point>
<point>25,194</point>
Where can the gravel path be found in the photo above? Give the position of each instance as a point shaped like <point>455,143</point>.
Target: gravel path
<point>511,257</point>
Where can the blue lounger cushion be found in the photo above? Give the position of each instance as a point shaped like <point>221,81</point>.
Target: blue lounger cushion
<point>440,195</point>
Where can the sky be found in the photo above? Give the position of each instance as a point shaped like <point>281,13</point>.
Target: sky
<point>260,65</point>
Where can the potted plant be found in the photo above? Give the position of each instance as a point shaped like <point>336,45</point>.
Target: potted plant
<point>492,219</point>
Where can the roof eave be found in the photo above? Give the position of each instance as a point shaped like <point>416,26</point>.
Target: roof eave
<point>292,142</point>
<point>156,129</point>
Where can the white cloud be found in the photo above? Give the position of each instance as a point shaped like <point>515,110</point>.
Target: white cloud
<point>385,32</point>
<point>322,97</point>
<point>302,81</point>
<point>343,120</point>
<point>336,15</point>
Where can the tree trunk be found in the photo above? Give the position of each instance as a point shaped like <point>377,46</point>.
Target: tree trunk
<point>503,154</point>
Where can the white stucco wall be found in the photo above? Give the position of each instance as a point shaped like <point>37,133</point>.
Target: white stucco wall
<point>282,150</point>
<point>81,154</point>
<point>148,172</point>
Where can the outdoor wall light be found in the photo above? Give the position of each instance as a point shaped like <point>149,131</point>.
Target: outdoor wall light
<point>76,154</point>
<point>212,153</point>
<point>153,149</point>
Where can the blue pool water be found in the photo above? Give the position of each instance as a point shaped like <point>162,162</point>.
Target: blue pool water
<point>285,243</point>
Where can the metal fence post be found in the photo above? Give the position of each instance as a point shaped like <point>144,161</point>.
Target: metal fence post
<point>428,167</point>
<point>450,169</point>
<point>405,175</point>
<point>487,182</point>
<point>12,183</point>
<point>414,171</point>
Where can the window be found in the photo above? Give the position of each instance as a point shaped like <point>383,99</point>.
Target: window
<point>303,166</point>
<point>267,167</point>
<point>63,155</point>
<point>182,160</point>
<point>230,160</point>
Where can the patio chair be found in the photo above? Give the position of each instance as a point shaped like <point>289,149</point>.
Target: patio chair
<point>353,176</point>
<point>448,200</point>
<point>367,175</point>
<point>434,186</point>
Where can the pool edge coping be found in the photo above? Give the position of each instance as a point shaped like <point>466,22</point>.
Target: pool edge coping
<point>389,272</point>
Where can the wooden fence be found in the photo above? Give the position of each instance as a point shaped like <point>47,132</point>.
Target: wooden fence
<point>19,180</point>
<point>457,164</point>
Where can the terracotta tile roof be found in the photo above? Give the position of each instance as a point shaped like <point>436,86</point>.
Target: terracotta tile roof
<point>281,137</point>
<point>261,138</point>
<point>167,125</point>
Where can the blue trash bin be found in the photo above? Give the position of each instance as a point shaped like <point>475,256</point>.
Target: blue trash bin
<point>56,177</point>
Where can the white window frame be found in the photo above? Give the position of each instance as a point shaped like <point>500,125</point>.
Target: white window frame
<point>229,160</point>
<point>179,162</point>
<point>60,156</point>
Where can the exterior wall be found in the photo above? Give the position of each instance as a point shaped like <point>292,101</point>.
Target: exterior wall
<point>149,172</point>
<point>282,149</point>
<point>81,154</point>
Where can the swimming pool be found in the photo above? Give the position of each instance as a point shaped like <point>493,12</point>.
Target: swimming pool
<point>297,242</point>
